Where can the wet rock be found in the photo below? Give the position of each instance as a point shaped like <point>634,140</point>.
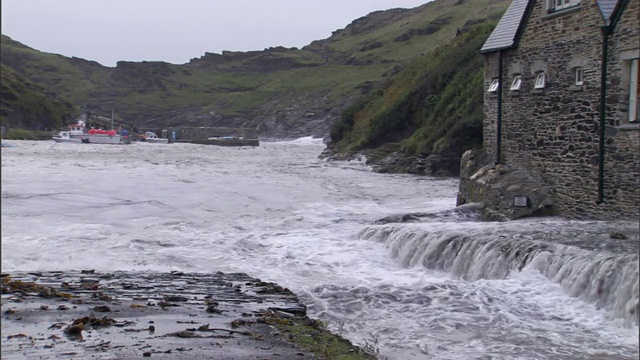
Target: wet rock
<point>184,334</point>
<point>164,304</point>
<point>74,329</point>
<point>507,192</point>
<point>262,305</point>
<point>102,308</point>
<point>291,311</point>
<point>213,310</point>
<point>397,219</point>
<point>208,301</point>
<point>175,298</point>
<point>618,236</point>
<point>29,287</point>
<point>94,321</point>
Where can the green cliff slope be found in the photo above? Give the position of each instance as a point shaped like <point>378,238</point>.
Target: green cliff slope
<point>432,108</point>
<point>27,105</point>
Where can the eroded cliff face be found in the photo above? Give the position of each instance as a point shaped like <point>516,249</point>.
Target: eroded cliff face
<point>309,115</point>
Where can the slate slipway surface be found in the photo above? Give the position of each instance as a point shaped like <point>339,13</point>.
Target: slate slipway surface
<point>129,315</point>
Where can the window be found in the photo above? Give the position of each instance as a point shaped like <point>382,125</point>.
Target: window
<point>634,78</point>
<point>515,84</point>
<point>540,81</point>
<point>562,4</point>
<point>578,76</point>
<point>493,87</point>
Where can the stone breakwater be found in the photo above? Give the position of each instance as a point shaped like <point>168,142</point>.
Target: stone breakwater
<point>122,315</point>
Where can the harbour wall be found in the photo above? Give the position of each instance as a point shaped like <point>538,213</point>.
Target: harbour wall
<point>203,133</point>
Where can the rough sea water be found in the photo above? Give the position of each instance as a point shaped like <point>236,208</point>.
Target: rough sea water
<point>444,286</point>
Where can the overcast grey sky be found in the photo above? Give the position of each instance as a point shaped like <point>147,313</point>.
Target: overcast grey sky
<point>176,31</point>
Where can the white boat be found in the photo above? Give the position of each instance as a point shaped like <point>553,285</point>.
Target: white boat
<point>151,137</point>
<point>95,136</point>
<point>77,130</point>
<point>65,136</point>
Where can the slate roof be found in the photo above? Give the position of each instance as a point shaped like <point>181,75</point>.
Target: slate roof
<point>504,35</point>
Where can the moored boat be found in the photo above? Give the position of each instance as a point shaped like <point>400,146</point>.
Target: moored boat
<point>79,133</point>
<point>65,137</point>
<point>151,137</point>
<point>96,136</point>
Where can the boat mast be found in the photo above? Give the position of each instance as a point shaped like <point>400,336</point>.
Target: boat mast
<point>112,112</point>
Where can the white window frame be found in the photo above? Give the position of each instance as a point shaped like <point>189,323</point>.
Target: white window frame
<point>516,83</point>
<point>578,76</point>
<point>634,104</point>
<point>493,86</point>
<point>562,4</point>
<point>541,80</point>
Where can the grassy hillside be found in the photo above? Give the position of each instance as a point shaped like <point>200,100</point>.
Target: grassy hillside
<point>283,92</point>
<point>432,107</point>
<point>26,105</point>
<point>70,77</point>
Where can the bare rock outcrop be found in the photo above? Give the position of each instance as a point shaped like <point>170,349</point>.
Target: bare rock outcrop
<point>507,192</point>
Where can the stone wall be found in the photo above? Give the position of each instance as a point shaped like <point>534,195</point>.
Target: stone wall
<point>203,133</point>
<point>224,142</point>
<point>624,46</point>
<point>554,131</point>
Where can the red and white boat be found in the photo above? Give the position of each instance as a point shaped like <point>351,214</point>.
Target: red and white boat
<point>96,136</point>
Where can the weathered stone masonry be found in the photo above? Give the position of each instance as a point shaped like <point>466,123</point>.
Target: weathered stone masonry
<point>554,131</point>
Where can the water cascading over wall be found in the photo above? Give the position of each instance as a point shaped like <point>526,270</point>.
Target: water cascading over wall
<point>607,279</point>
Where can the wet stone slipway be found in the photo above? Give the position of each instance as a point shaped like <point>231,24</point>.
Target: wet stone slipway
<point>125,315</point>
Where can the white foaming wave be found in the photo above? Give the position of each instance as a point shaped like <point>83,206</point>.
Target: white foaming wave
<point>61,249</point>
<point>306,140</point>
<point>360,159</point>
<point>358,163</point>
<point>459,320</point>
<point>605,279</point>
<point>103,247</point>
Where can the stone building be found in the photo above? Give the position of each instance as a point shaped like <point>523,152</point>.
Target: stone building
<point>561,100</point>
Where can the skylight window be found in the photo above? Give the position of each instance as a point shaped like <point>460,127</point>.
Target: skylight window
<point>515,84</point>
<point>562,4</point>
<point>493,87</point>
<point>540,81</point>
<point>578,76</point>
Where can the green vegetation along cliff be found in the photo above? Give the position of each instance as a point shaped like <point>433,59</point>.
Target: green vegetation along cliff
<point>425,117</point>
<point>27,105</point>
<point>283,92</point>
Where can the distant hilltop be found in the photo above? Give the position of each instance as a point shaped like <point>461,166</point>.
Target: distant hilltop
<point>280,92</point>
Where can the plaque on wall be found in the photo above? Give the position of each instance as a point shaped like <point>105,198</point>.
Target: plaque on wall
<point>520,201</point>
